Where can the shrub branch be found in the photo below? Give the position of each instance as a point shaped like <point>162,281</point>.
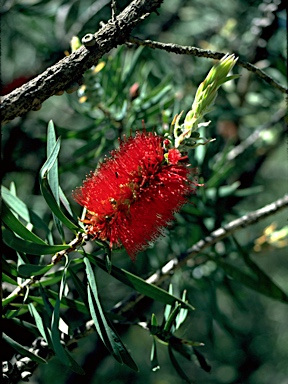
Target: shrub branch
<point>67,73</point>
<point>194,51</point>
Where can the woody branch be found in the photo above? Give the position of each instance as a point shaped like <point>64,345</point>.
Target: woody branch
<point>70,69</point>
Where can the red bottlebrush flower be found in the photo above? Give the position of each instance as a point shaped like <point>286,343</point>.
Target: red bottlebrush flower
<point>174,156</point>
<point>135,192</point>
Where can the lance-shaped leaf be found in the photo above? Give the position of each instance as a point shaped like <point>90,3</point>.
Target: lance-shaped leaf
<point>108,335</point>
<point>52,203</point>
<point>60,351</point>
<point>30,247</point>
<point>260,283</point>
<point>178,367</point>
<point>46,189</point>
<point>27,270</point>
<point>38,321</point>
<point>21,209</point>
<point>53,177</point>
<point>139,284</point>
<point>23,350</point>
<point>153,357</point>
<point>16,226</point>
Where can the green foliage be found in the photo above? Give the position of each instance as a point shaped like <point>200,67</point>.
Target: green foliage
<point>239,293</point>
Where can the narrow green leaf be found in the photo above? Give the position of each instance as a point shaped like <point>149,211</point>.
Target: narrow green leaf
<point>21,310</point>
<point>7,300</point>
<point>80,287</point>
<point>154,321</point>
<point>105,330</point>
<point>69,303</point>
<point>74,365</point>
<point>55,277</point>
<point>177,366</point>
<point>22,210</point>
<point>98,314</point>
<point>139,284</point>
<point>23,350</point>
<point>26,325</point>
<point>8,279</point>
<point>202,361</point>
<point>125,355</point>
<point>94,316</point>
<point>51,159</point>
<point>29,247</point>
<point>170,322</point>
<point>27,270</point>
<point>268,288</point>
<point>108,261</point>
<point>55,333</point>
<point>20,261</point>
<point>168,307</point>
<point>15,203</point>
<point>53,177</point>
<point>16,226</point>
<point>265,283</point>
<point>52,203</point>
<point>153,357</point>
<point>183,313</point>
<point>66,204</point>
<point>38,321</point>
<point>48,306</point>
<point>9,268</point>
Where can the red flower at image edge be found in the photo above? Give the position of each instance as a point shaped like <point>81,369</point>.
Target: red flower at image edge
<point>135,192</point>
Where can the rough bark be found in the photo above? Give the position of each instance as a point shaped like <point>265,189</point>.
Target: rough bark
<point>70,69</point>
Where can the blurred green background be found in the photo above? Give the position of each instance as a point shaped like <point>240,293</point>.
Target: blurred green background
<point>244,332</point>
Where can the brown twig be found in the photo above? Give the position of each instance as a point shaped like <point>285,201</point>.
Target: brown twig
<point>194,51</point>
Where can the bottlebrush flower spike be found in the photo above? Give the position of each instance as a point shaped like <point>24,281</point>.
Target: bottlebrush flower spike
<point>134,193</point>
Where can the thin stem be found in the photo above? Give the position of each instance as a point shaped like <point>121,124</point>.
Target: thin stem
<point>74,244</point>
<point>217,235</point>
<point>194,51</point>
